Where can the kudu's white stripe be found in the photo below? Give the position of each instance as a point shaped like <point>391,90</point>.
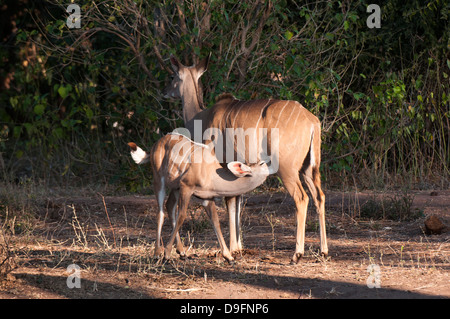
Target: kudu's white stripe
<point>189,139</point>
<point>237,114</point>
<point>185,160</point>
<point>295,122</point>
<point>279,114</point>
<point>292,111</point>
<point>260,115</point>
<point>225,117</point>
<point>173,159</point>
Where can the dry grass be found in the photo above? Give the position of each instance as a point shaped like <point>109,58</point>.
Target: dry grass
<point>7,260</point>
<point>111,238</point>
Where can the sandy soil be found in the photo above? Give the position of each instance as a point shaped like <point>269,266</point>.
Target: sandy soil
<point>112,242</point>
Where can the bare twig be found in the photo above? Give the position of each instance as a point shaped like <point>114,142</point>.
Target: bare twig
<point>109,221</point>
<point>175,290</point>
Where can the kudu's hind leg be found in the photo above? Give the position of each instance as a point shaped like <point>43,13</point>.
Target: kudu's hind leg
<point>234,213</point>
<point>312,179</point>
<point>183,201</point>
<point>171,206</point>
<point>293,185</point>
<point>311,175</point>
<point>160,194</point>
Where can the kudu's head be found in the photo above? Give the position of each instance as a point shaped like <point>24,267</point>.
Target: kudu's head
<point>185,83</point>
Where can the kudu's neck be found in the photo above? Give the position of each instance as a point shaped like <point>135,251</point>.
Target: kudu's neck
<point>192,100</point>
<point>191,108</point>
<point>226,184</point>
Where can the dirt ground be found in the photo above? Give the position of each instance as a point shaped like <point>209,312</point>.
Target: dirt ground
<point>112,243</point>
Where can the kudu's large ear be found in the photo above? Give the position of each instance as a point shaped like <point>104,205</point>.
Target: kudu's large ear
<point>176,65</point>
<point>239,169</point>
<point>202,66</point>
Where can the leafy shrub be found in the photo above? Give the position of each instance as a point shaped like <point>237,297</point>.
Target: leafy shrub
<point>398,208</point>
<point>73,98</point>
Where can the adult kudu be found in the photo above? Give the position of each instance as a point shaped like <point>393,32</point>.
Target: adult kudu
<point>297,151</point>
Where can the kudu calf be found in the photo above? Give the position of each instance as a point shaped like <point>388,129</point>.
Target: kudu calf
<point>297,151</point>
<point>191,169</point>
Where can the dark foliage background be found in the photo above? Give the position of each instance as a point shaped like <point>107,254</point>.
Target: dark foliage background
<point>70,99</point>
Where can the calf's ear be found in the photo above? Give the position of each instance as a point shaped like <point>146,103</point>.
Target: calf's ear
<point>239,169</point>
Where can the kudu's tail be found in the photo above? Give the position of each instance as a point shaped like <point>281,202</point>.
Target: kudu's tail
<point>138,154</point>
<point>314,148</point>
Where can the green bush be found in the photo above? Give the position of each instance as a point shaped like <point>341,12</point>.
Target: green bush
<point>72,98</point>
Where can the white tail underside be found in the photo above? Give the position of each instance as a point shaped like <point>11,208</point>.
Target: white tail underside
<point>140,156</point>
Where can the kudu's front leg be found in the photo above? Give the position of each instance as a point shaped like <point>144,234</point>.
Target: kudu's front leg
<point>210,208</point>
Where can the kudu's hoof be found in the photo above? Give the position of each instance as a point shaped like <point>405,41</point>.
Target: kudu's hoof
<point>167,254</point>
<point>181,251</point>
<point>183,256</point>
<point>229,259</point>
<point>296,258</point>
<point>237,254</point>
<point>231,262</point>
<point>158,253</point>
